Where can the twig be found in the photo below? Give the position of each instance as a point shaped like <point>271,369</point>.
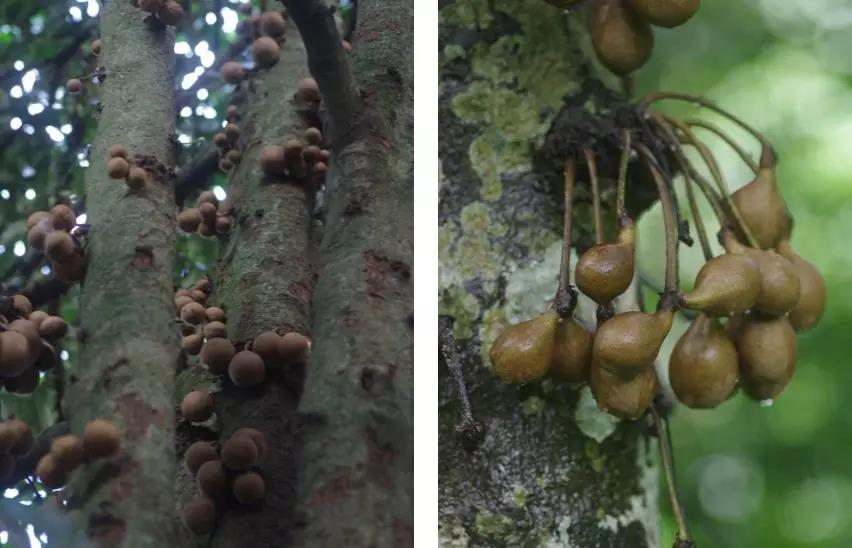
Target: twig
<point>661,426</point>
<point>566,296</point>
<point>471,430</point>
<point>596,193</point>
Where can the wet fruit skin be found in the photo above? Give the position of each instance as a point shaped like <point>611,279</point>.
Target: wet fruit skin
<point>627,399</point>
<point>767,353</point>
<point>780,287</point>
<point>665,13</point>
<point>572,352</point>
<point>762,208</point>
<point>605,271</point>
<point>811,304</point>
<point>623,42</point>
<point>628,343</point>
<point>703,367</point>
<point>523,352</point>
<point>726,285</point>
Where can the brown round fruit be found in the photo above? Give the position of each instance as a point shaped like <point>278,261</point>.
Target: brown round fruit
<point>193,313</point>
<point>74,86</point>
<point>22,437</point>
<point>215,314</point>
<point>36,236</point>
<point>118,151</point>
<point>197,454</point>
<point>223,225</point>
<point>239,453</point>
<point>137,178</point>
<point>247,369</point>
<point>220,140</point>
<point>623,42</point>
<point>212,479</point>
<point>171,13</point>
<point>53,328</point>
<point>215,330</point>
<point>208,212</point>
<point>101,438</point>
<point>36,217</point>
<point>255,435</point>
<point>189,219</point>
<point>249,488</point>
<point>206,196</point>
<point>265,51</point>
<point>67,452</point>
<point>38,316</point>
<point>51,475</point>
<point>272,24</point>
<point>118,168</point>
<point>197,406</point>
<point>14,354</point>
<point>217,354</point>
<point>59,246</point>
<point>313,136</point>
<point>308,90</point>
<point>266,346</point>
<point>62,217</point>
<point>293,347</point>
<point>199,515</point>
<point>191,344</point>
<point>233,72</point>
<point>180,302</point>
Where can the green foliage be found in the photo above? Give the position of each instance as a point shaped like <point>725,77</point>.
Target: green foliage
<point>777,476</point>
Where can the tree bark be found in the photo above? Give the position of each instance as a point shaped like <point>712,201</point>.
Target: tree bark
<point>129,344</point>
<point>551,469</point>
<point>356,473</point>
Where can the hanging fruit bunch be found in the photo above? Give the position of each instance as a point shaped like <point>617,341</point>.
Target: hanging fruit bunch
<point>746,305</point>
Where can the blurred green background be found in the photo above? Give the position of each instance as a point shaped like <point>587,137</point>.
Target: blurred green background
<point>781,475</point>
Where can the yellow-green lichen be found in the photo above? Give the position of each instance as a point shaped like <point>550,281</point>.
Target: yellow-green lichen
<point>470,14</point>
<point>532,406</point>
<point>520,496</point>
<point>493,323</point>
<point>593,453</point>
<point>462,307</point>
<point>493,526</point>
<point>452,536</point>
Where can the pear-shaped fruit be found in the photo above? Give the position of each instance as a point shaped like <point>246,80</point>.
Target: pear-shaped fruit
<point>703,366</point>
<point>605,271</point>
<point>622,41</point>
<point>762,208</point>
<point>572,352</point>
<point>665,13</point>
<point>780,287</point>
<point>629,342</point>
<point>624,398</point>
<point>811,305</point>
<point>726,285</point>
<point>767,353</point>
<point>523,352</point>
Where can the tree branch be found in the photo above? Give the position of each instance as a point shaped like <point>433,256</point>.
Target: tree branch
<point>327,61</point>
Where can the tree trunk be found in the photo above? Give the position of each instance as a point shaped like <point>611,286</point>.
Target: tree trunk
<point>356,474</point>
<point>264,280</point>
<point>129,344</point>
<point>551,469</point>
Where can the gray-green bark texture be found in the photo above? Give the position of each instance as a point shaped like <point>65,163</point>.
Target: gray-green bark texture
<point>551,469</point>
<point>263,281</point>
<point>356,462</point>
<point>129,344</point>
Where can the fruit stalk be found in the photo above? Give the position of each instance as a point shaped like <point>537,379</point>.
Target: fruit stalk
<point>713,166</point>
<point>666,201</point>
<point>661,95</point>
<point>566,297</point>
<point>620,207</point>
<point>719,132</point>
<point>668,469</point>
<point>596,194</point>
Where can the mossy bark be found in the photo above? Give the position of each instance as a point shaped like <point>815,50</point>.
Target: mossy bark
<point>356,474</point>
<point>551,470</point>
<point>264,281</point>
<point>129,344</point>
